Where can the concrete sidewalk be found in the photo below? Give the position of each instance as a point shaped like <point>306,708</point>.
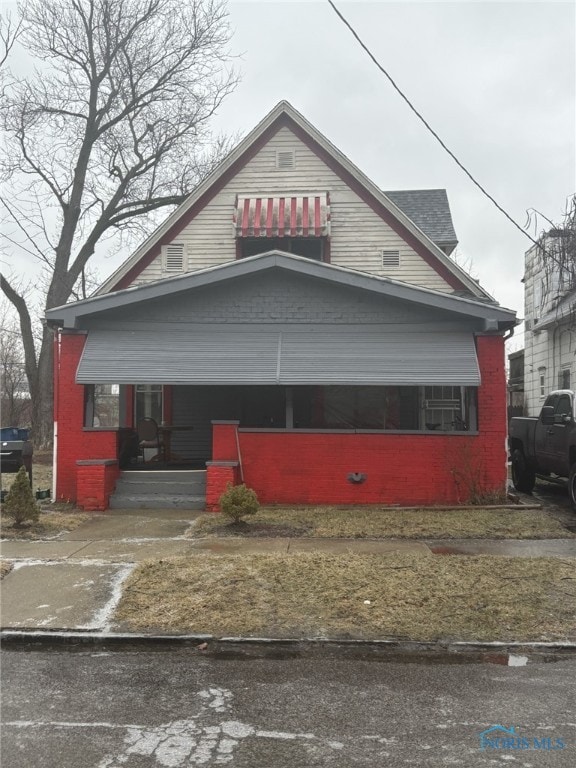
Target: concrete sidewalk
<point>75,582</point>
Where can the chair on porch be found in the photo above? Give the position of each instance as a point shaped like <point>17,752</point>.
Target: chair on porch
<point>149,437</point>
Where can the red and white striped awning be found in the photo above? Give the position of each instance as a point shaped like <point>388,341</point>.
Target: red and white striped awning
<point>294,216</point>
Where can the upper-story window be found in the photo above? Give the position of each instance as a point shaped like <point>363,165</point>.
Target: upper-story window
<point>311,247</point>
<point>298,224</point>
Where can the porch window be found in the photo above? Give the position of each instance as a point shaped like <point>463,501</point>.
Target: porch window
<point>102,405</point>
<point>443,408</point>
<point>263,407</point>
<point>148,402</point>
<point>384,408</point>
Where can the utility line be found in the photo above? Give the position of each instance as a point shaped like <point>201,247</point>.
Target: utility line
<point>429,127</point>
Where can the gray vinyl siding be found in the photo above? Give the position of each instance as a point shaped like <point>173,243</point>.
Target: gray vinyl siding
<point>358,234</point>
<point>276,354</point>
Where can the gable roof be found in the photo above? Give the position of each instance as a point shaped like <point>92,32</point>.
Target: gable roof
<point>284,115</point>
<point>430,211</point>
<point>490,316</point>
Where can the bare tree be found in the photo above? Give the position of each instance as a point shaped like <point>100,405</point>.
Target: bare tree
<point>557,261</point>
<point>9,34</point>
<point>15,398</point>
<point>111,128</point>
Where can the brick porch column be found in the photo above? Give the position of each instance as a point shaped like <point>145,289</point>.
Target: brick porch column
<point>223,470</point>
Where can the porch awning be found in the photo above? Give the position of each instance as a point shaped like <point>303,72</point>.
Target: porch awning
<point>302,215</point>
<point>298,354</point>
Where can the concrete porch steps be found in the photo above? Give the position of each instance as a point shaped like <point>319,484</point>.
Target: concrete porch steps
<point>160,489</point>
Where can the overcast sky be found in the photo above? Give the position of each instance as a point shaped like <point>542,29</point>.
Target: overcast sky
<point>495,80</point>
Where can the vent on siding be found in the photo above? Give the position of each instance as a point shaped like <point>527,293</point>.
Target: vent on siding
<point>173,257</point>
<point>390,259</point>
<point>285,159</point>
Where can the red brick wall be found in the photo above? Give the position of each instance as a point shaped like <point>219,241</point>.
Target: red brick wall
<point>74,442</point>
<point>95,483</point>
<point>313,468</point>
<point>218,477</point>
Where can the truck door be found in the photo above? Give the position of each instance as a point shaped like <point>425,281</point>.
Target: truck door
<point>543,440</point>
<point>560,435</point>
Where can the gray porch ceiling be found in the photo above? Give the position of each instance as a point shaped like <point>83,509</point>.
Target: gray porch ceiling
<point>235,354</point>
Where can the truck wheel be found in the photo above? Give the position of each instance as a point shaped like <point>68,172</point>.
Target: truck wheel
<point>522,476</point>
<point>572,487</point>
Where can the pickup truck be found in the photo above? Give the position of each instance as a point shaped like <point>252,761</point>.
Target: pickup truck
<point>15,450</point>
<point>545,445</point>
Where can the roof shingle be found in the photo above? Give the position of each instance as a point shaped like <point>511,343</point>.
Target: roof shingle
<point>430,211</point>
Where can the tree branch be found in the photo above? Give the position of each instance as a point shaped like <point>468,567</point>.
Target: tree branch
<point>19,304</point>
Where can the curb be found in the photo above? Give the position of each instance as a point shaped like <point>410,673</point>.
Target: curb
<point>449,652</point>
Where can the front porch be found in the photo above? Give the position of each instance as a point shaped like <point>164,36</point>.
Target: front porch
<point>293,445</point>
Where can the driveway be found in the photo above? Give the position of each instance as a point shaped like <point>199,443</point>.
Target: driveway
<point>554,497</point>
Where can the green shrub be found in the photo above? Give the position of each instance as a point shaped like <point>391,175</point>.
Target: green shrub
<point>20,504</point>
<point>238,501</point>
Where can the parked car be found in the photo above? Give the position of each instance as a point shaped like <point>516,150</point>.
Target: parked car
<point>545,445</point>
<point>15,450</point>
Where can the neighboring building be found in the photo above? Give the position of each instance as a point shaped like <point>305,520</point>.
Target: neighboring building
<point>312,330</point>
<point>550,325</point>
<point>516,384</point>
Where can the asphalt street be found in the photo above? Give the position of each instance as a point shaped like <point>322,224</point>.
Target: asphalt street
<point>84,709</point>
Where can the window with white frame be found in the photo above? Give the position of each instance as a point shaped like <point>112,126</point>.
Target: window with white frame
<point>444,408</point>
<point>564,378</point>
<point>102,405</point>
<point>542,381</point>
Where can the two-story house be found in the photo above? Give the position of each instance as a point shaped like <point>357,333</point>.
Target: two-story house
<point>294,327</point>
<point>550,320</point>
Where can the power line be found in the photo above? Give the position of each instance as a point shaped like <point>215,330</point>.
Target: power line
<point>429,127</point>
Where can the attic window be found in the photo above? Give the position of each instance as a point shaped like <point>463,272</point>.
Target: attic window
<point>390,259</point>
<point>173,257</point>
<point>285,159</point>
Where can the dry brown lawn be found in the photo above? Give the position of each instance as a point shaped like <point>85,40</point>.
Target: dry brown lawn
<point>421,597</point>
<point>41,473</point>
<point>54,520</point>
<point>5,567</point>
<point>386,523</point>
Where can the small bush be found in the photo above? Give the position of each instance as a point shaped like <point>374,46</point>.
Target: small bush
<point>238,501</point>
<point>20,504</point>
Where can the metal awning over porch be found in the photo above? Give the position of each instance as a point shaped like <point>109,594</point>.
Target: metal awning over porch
<point>287,355</point>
